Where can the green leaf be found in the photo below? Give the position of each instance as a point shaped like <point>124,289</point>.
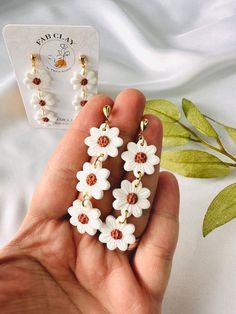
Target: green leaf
<point>196,118</point>
<point>231,132</point>
<point>164,109</point>
<point>221,210</point>
<point>174,135</point>
<point>194,163</point>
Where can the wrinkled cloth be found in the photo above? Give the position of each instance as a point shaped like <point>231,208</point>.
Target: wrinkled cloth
<point>167,49</point>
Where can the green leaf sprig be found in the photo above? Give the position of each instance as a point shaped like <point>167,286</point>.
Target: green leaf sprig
<point>193,162</point>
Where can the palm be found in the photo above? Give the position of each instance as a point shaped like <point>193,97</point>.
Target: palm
<point>77,270</point>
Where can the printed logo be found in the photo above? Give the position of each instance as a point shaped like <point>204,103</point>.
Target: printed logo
<point>56,53</point>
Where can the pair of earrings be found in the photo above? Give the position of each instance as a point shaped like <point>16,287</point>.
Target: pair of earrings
<point>38,79</point>
<point>130,199</point>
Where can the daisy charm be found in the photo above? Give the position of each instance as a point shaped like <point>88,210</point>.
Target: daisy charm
<point>103,141</point>
<point>131,198</point>
<point>42,101</point>
<point>93,180</point>
<point>85,217</point>
<point>116,234</point>
<point>140,158</point>
<point>39,78</point>
<point>45,118</point>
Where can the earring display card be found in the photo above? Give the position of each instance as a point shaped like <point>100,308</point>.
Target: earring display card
<point>57,49</point>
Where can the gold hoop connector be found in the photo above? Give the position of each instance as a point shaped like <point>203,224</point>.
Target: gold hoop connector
<point>139,178</point>
<point>85,198</point>
<point>97,159</point>
<point>126,216</point>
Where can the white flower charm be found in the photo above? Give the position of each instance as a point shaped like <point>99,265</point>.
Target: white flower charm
<point>38,80</point>
<point>78,102</point>
<point>84,82</point>
<point>93,180</point>
<point>103,141</point>
<point>131,198</point>
<point>116,234</point>
<point>85,218</point>
<point>46,118</point>
<point>42,101</point>
<point>140,158</point>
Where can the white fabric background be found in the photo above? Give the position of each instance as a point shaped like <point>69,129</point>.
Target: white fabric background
<point>167,49</point>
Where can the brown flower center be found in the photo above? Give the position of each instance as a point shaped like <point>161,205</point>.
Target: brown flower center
<point>116,234</point>
<point>140,158</point>
<point>132,198</point>
<point>83,218</point>
<point>103,141</point>
<point>36,81</point>
<point>83,103</point>
<point>42,102</point>
<point>84,82</point>
<point>45,119</point>
<point>91,179</point>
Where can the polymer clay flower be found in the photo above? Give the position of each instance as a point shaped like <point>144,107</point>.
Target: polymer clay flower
<point>86,82</point>
<point>93,180</point>
<point>116,234</point>
<point>42,101</point>
<point>78,102</point>
<point>103,140</point>
<point>39,79</point>
<point>131,198</point>
<point>85,218</point>
<point>140,158</point>
<point>46,118</point>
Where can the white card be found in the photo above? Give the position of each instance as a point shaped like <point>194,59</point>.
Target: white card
<point>58,48</point>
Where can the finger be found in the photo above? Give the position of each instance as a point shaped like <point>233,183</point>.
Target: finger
<point>153,258</point>
<point>153,136</point>
<point>57,187</point>
<point>126,115</point>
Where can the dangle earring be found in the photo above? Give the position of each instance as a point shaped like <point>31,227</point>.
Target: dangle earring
<point>38,80</point>
<point>84,83</point>
<point>102,142</point>
<point>131,198</point>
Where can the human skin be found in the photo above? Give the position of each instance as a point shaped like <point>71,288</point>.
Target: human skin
<point>49,267</point>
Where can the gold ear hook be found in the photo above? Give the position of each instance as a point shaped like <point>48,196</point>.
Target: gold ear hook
<point>144,124</point>
<point>83,61</point>
<point>107,111</point>
<point>34,58</point>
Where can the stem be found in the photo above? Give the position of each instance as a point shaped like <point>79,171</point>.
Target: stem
<point>230,164</point>
<point>200,140</point>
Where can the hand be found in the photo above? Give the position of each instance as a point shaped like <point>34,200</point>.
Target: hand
<point>50,268</point>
